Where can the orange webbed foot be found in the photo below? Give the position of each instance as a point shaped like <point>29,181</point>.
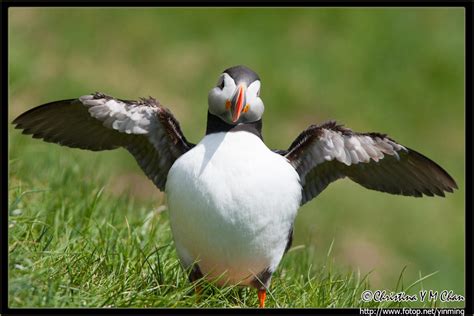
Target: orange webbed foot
<point>262,294</point>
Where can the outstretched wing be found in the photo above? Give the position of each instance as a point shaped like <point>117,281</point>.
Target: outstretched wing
<point>100,122</point>
<point>324,153</point>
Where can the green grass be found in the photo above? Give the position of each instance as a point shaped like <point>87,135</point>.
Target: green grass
<point>397,71</point>
<point>72,245</point>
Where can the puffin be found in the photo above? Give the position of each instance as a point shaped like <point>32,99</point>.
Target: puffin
<point>232,200</point>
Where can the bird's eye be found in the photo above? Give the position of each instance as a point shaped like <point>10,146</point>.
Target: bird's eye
<point>220,84</point>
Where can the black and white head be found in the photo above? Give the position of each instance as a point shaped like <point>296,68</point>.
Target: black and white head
<point>236,98</point>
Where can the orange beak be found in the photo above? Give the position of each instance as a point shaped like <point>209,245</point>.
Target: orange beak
<point>237,103</point>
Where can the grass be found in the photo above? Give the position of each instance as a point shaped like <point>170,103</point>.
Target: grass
<point>74,244</point>
<point>397,71</point>
<point>80,254</point>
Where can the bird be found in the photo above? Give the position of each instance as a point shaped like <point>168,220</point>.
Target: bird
<point>232,200</point>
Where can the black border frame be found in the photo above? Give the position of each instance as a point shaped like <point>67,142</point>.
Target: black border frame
<point>469,10</point>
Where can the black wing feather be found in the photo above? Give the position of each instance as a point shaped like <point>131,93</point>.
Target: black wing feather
<point>322,154</point>
<point>155,146</point>
<point>68,123</point>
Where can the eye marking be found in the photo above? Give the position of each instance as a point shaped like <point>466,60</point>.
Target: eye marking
<point>246,108</point>
<point>227,104</point>
<point>221,85</point>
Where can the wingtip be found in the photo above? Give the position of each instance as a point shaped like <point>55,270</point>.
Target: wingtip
<point>16,121</point>
<point>17,124</point>
<point>454,185</point>
<point>451,184</point>
<point>445,182</point>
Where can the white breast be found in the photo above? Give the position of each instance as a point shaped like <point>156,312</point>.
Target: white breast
<point>232,204</point>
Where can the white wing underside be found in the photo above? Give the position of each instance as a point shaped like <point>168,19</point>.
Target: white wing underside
<point>327,152</point>
<point>99,122</point>
<point>349,149</point>
<point>126,118</point>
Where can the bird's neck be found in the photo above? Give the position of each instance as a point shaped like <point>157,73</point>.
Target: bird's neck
<point>216,125</point>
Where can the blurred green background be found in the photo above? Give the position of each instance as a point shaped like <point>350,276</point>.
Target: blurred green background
<point>396,71</point>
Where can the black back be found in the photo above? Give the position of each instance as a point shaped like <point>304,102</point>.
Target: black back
<point>242,74</point>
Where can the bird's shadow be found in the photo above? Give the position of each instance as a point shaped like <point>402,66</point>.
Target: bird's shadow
<point>210,148</point>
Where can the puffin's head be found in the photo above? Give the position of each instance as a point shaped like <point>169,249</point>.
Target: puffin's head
<point>236,98</point>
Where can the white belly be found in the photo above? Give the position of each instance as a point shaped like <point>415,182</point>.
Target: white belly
<point>232,203</point>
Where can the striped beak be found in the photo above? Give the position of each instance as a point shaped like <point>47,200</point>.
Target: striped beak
<point>237,103</point>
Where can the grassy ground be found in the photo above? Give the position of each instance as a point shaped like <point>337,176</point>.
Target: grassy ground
<point>72,245</point>
<point>398,71</point>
